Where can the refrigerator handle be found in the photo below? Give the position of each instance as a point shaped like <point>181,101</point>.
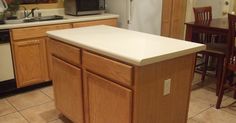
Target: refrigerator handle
<point>130,12</point>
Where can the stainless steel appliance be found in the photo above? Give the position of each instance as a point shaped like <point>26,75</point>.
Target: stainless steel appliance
<point>7,78</point>
<point>84,7</point>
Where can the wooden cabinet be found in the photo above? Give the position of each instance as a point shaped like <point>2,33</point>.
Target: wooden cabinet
<point>108,102</point>
<point>67,83</point>
<point>110,22</point>
<point>38,31</point>
<point>122,73</point>
<point>29,54</point>
<point>116,92</point>
<point>66,52</point>
<point>31,61</point>
<point>29,51</point>
<point>173,18</point>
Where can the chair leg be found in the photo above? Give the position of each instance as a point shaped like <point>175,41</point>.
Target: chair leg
<point>220,96</point>
<point>204,71</point>
<point>219,74</point>
<point>222,89</point>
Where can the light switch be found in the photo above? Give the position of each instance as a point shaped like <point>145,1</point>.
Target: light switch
<point>167,86</point>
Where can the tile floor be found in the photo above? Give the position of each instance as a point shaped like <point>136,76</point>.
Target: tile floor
<point>37,106</point>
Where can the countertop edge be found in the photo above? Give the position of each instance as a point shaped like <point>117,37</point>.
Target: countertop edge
<point>67,20</point>
<point>136,62</point>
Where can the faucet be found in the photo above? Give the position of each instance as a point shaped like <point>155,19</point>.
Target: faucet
<point>32,11</point>
<point>27,14</point>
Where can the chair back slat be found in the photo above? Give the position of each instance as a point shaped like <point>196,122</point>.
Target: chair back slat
<point>203,14</point>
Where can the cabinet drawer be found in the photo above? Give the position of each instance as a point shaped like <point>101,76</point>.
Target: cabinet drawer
<point>110,22</point>
<point>33,32</point>
<point>64,51</point>
<point>108,68</point>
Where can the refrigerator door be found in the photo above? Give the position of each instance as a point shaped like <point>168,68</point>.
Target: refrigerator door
<point>120,7</point>
<point>138,15</point>
<point>146,16</point>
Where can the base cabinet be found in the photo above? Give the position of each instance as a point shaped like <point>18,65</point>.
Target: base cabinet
<point>108,102</point>
<point>100,97</point>
<point>30,56</point>
<point>29,51</point>
<point>67,83</point>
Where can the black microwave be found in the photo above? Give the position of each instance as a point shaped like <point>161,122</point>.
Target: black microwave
<point>84,7</point>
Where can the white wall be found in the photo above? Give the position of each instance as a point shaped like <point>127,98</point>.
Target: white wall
<point>218,7</point>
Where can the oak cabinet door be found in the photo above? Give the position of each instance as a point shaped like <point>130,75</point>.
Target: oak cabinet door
<point>107,102</point>
<point>30,62</point>
<point>67,84</point>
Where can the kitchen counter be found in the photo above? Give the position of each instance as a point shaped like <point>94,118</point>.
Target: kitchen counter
<point>103,74</point>
<point>129,46</point>
<point>67,19</point>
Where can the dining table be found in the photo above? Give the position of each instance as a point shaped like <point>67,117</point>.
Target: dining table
<point>216,26</point>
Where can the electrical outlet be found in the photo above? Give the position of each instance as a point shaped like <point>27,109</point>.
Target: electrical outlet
<point>167,86</point>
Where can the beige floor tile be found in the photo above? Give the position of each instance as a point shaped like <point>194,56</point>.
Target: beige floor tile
<point>41,114</point>
<point>215,116</point>
<point>196,107</point>
<point>205,96</point>
<point>48,91</point>
<point>13,118</point>
<point>6,107</point>
<point>196,78</point>
<point>61,120</point>
<point>192,121</point>
<point>28,99</point>
<point>229,105</point>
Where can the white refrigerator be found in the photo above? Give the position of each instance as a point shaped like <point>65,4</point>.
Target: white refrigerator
<point>138,15</point>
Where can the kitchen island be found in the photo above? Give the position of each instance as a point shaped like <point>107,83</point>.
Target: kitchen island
<point>103,74</point>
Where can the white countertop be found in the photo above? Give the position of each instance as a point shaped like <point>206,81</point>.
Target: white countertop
<point>67,19</point>
<point>129,46</point>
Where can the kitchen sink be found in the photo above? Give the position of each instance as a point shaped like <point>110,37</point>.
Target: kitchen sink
<point>43,18</point>
<point>34,19</point>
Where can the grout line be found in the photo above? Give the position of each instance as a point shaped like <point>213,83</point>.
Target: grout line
<point>24,117</point>
<point>17,110</point>
<point>35,105</point>
<point>50,100</point>
<point>11,106</point>
<point>201,112</point>
<point>46,94</point>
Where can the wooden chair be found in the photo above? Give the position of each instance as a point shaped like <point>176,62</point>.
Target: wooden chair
<point>227,82</point>
<point>203,14</point>
<point>215,49</point>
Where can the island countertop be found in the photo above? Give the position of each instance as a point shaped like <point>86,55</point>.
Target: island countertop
<point>125,45</point>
